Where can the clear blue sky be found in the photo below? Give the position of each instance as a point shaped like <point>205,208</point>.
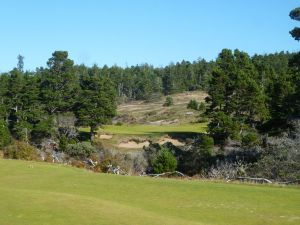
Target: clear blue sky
<point>129,32</point>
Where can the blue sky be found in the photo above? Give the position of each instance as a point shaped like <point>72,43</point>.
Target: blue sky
<point>129,32</point>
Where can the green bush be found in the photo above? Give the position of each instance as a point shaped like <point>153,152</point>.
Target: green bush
<point>250,139</point>
<point>119,123</point>
<point>202,106</point>
<point>80,150</point>
<point>63,143</point>
<point>169,101</point>
<point>164,162</point>
<point>4,134</point>
<point>222,127</point>
<point>203,119</point>
<point>20,150</point>
<point>206,145</point>
<point>193,104</point>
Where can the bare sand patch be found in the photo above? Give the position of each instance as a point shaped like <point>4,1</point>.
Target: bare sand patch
<point>105,136</point>
<point>134,144</point>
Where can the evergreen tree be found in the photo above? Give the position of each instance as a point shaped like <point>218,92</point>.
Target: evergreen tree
<point>167,82</point>
<point>236,99</point>
<point>295,15</point>
<point>96,104</point>
<point>4,134</point>
<point>20,65</point>
<point>59,85</point>
<point>4,108</point>
<point>294,99</point>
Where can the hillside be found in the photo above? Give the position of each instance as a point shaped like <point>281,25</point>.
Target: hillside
<point>154,112</point>
<point>39,193</point>
<point>139,122</point>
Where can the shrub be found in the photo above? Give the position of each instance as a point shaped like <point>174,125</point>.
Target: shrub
<point>4,134</point>
<point>119,123</point>
<point>78,164</point>
<point>44,129</point>
<point>80,150</point>
<point>20,150</point>
<point>223,126</point>
<point>199,157</point>
<point>164,162</point>
<point>250,139</point>
<point>63,143</point>
<point>169,101</point>
<point>206,146</point>
<point>202,106</point>
<point>203,119</point>
<point>226,170</point>
<point>280,160</point>
<point>193,104</point>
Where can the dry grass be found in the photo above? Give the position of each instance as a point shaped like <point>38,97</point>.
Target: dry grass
<point>145,112</point>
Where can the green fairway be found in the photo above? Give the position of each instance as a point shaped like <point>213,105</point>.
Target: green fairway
<point>39,193</point>
<point>141,129</point>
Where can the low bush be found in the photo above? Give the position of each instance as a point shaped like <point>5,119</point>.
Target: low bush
<point>78,164</point>
<point>80,150</point>
<point>165,161</point>
<point>202,107</point>
<point>169,101</point>
<point>250,139</point>
<point>20,150</point>
<point>193,104</point>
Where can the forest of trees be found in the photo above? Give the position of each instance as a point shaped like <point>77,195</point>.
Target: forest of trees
<point>251,100</point>
<point>265,85</point>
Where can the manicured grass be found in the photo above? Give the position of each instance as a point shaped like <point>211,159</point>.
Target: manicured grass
<point>141,129</point>
<point>39,193</point>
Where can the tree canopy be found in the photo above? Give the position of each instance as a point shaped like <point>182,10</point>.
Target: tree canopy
<point>295,15</point>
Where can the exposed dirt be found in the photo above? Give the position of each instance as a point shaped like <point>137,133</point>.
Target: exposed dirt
<point>143,112</point>
<point>134,145</point>
<point>105,136</point>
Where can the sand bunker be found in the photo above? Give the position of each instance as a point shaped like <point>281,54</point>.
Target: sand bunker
<point>173,141</point>
<point>105,136</point>
<point>133,144</point>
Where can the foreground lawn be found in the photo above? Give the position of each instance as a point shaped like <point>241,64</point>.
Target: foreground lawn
<point>141,129</point>
<point>39,193</point>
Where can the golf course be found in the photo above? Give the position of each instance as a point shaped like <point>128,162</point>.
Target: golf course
<point>40,193</point>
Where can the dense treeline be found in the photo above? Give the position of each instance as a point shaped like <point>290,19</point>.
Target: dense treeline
<point>51,101</point>
<point>249,99</point>
<point>30,100</point>
<point>253,109</point>
<point>145,82</point>
<point>247,94</point>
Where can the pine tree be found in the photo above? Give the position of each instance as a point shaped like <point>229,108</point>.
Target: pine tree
<point>295,15</point>
<point>96,104</point>
<point>59,84</point>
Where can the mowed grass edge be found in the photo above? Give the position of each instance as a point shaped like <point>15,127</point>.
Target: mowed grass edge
<point>41,193</point>
<point>143,129</point>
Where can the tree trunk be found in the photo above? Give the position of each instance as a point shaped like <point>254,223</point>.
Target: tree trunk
<point>92,134</point>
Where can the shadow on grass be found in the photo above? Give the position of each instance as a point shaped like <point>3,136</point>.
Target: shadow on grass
<point>84,136</point>
<point>179,135</point>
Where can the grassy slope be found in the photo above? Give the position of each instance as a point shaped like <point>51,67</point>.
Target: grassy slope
<point>141,129</point>
<point>154,111</point>
<point>38,193</point>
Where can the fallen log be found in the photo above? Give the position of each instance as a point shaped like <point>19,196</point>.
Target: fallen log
<point>262,180</point>
<point>290,182</point>
<point>155,175</point>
